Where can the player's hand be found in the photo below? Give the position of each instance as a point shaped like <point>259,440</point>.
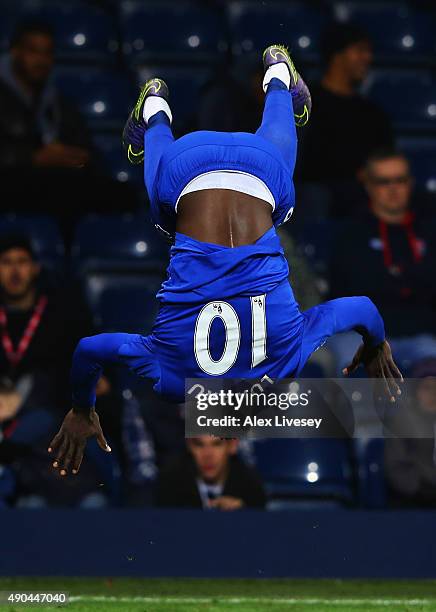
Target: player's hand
<point>225,502</point>
<point>69,444</point>
<point>58,155</point>
<point>379,363</point>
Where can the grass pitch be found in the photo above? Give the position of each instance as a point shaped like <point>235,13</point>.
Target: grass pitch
<point>219,595</point>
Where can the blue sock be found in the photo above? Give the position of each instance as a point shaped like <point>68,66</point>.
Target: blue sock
<point>157,118</point>
<point>276,85</point>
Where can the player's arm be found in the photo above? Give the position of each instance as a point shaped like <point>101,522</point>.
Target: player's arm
<point>361,315</point>
<point>81,422</point>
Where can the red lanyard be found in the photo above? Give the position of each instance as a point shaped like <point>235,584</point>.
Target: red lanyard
<point>15,356</point>
<point>414,243</point>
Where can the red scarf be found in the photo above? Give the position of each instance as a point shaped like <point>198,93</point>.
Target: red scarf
<point>14,356</point>
<point>414,243</point>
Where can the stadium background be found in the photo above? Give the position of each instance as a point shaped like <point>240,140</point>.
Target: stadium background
<point>104,50</point>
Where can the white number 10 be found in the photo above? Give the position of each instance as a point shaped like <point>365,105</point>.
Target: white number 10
<point>232,326</point>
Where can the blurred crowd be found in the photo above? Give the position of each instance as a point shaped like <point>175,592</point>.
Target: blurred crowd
<point>361,227</point>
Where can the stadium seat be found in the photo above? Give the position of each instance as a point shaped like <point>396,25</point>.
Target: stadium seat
<point>422,155</point>
<point>105,97</point>
<point>83,30</point>
<point>185,85</point>
<point>172,31</point>
<point>118,243</point>
<point>315,239</point>
<point>115,160</point>
<point>372,485</point>
<point>409,36</point>
<point>123,303</point>
<point>43,232</point>
<point>257,24</point>
<point>409,97</point>
<point>305,468</point>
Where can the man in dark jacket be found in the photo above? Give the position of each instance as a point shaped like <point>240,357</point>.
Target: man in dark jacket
<point>38,329</point>
<point>389,255</point>
<point>345,126</point>
<point>46,158</point>
<point>210,476</point>
<point>38,128</point>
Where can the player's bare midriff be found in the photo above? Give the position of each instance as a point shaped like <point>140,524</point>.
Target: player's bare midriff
<point>223,216</point>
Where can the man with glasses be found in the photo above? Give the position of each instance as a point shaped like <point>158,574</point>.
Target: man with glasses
<point>389,255</point>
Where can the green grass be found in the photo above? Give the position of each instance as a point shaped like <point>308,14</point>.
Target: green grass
<point>198,595</point>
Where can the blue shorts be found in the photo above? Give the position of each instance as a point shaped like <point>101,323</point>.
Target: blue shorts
<point>269,154</point>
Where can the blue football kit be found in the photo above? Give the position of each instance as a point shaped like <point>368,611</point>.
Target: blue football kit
<point>223,311</point>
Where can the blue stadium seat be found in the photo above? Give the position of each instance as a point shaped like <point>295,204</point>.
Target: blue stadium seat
<point>105,97</point>
<point>370,459</point>
<point>315,239</point>
<point>172,31</point>
<point>123,303</point>
<point>83,30</point>
<point>258,24</point>
<point>43,232</point>
<point>398,31</point>
<point>115,160</point>
<point>118,243</point>
<point>185,84</point>
<point>305,468</point>
<point>409,97</point>
<point>421,153</point>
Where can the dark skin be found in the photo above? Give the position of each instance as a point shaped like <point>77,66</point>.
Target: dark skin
<point>231,219</point>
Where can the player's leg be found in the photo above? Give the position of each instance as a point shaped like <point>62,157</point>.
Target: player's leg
<point>147,133</point>
<point>157,138</point>
<point>287,103</point>
<point>278,125</point>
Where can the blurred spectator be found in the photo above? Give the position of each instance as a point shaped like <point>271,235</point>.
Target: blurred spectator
<point>389,255</point>
<point>410,457</point>
<point>46,158</point>
<point>344,127</point>
<point>39,328</point>
<point>38,332</point>
<point>38,127</point>
<point>210,476</point>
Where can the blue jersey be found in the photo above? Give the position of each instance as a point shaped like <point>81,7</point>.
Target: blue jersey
<point>224,312</point>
